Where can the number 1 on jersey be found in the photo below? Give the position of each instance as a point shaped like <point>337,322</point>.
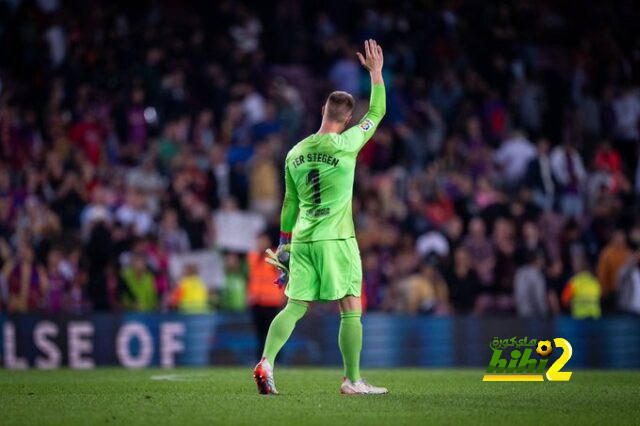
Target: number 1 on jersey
<point>313,179</point>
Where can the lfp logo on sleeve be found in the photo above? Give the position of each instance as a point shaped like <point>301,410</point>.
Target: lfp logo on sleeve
<point>522,368</point>
<point>366,125</point>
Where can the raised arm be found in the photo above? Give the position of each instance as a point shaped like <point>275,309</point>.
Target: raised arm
<point>358,135</point>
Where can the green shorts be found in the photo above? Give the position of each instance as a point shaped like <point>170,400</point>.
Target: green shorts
<point>324,270</point>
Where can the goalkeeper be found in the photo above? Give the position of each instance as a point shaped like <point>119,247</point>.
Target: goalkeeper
<point>317,238</point>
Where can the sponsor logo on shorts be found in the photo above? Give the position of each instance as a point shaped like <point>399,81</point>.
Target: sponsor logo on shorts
<point>366,125</point>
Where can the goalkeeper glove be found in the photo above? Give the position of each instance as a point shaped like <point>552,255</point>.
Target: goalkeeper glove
<point>280,259</point>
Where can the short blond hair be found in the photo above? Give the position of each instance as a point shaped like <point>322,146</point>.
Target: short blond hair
<point>339,106</point>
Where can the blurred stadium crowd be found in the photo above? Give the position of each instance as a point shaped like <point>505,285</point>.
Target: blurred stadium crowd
<point>504,178</point>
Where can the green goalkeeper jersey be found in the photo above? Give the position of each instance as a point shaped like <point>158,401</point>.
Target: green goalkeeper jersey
<point>319,174</point>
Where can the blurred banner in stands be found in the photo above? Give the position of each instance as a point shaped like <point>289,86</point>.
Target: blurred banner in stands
<point>209,265</point>
<point>167,340</point>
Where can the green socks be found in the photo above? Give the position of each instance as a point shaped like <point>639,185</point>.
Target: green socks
<point>350,342</point>
<point>281,328</point>
<point>349,337</point>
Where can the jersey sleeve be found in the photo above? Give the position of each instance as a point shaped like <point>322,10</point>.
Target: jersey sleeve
<point>289,212</point>
<point>354,138</point>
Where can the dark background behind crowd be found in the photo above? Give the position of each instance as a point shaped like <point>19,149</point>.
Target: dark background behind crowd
<point>504,178</point>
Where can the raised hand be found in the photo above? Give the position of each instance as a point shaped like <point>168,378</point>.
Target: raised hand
<point>373,58</point>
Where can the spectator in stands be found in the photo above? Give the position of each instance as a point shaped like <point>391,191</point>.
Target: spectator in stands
<point>58,283</point>
<point>264,193</point>
<point>539,177</point>
<point>68,197</point>
<point>157,260</point>
<point>137,290</point>
<point>445,93</point>
<point>433,242</point>
<point>134,213</point>
<point>476,150</point>
<point>190,295</point>
<point>146,179</point>
<point>612,258</point>
<point>626,110</point>
<point>531,241</point>
<point>504,243</point>
<point>483,260</point>
<point>439,208</point>
<point>568,169</point>
<point>608,159</point>
<point>172,238</point>
<point>233,294</point>
<point>530,287</point>
<point>462,281</point>
<point>629,277</point>
<point>88,135</point>
<point>513,157</point>
<point>99,253</point>
<point>97,210</point>
<point>194,219</point>
<point>424,292</point>
<point>345,72</point>
<point>583,291</point>
<point>26,281</point>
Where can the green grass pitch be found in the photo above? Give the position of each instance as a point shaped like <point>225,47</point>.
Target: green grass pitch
<point>309,397</point>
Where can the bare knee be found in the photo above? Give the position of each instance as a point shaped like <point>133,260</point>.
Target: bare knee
<point>350,303</point>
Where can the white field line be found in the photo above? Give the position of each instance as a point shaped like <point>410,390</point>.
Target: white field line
<point>185,377</point>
